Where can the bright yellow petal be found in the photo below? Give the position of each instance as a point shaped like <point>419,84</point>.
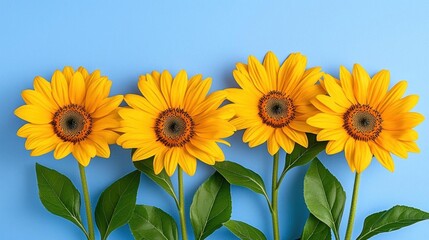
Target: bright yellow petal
<point>60,89</point>
<point>272,65</point>
<point>83,153</point>
<point>362,156</point>
<point>324,120</point>
<point>243,80</point>
<point>336,92</point>
<point>394,94</point>
<point>158,160</point>
<point>331,103</point>
<point>257,135</point>
<point>96,93</point>
<point>34,114</point>
<point>259,76</point>
<point>284,141</point>
<point>77,89</point>
<point>201,155</point>
<point>68,73</point>
<point>100,145</point>
<point>349,152</point>
<point>337,145</point>
<point>63,149</point>
<point>187,162</point>
<point>347,84</point>
<point>33,97</point>
<point>146,151</point>
<point>296,136</point>
<point>403,105</point>
<point>152,93</point>
<point>107,106</point>
<point>272,145</point>
<point>196,93</point>
<point>291,72</point>
<point>331,134</point>
<point>403,121</point>
<point>378,87</point>
<point>382,156</point>
<point>179,86</point>
<point>141,103</point>
<point>170,160</point>
<point>361,81</point>
<point>166,81</point>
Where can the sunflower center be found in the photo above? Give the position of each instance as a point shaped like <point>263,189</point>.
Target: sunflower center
<point>174,127</point>
<point>362,122</point>
<point>276,109</point>
<point>72,123</point>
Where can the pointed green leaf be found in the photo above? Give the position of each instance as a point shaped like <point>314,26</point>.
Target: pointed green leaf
<point>301,155</point>
<point>314,229</point>
<point>150,223</point>
<point>324,196</point>
<point>238,175</point>
<point>391,220</point>
<point>58,194</point>
<point>211,206</point>
<point>162,179</point>
<point>116,204</point>
<point>244,231</point>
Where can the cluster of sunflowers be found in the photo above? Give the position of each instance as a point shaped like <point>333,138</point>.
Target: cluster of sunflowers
<point>174,122</point>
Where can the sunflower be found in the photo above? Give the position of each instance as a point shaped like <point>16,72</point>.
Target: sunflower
<point>70,114</point>
<point>175,122</point>
<point>365,119</point>
<point>273,102</point>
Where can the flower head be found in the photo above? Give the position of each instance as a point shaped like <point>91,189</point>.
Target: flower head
<point>365,119</point>
<point>175,122</point>
<point>70,114</point>
<point>273,101</point>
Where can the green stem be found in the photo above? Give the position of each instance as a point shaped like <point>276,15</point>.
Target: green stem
<point>182,205</point>
<point>87,202</point>
<point>353,207</point>
<point>274,197</point>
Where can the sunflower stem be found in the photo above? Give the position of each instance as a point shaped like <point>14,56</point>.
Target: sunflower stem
<point>87,202</point>
<point>182,205</point>
<point>353,207</point>
<point>274,197</point>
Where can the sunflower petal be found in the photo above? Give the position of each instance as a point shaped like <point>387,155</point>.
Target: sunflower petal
<point>272,65</point>
<point>346,79</point>
<point>60,89</point>
<point>378,87</point>
<point>180,84</point>
<point>34,114</point>
<point>382,156</point>
<point>361,81</point>
<point>77,89</point>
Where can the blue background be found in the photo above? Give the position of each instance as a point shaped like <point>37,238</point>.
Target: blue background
<point>125,39</point>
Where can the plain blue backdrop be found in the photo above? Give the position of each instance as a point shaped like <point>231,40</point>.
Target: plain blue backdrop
<point>127,38</point>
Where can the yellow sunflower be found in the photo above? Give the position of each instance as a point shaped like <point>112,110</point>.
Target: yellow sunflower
<point>365,119</point>
<point>273,103</point>
<point>70,114</point>
<point>175,121</point>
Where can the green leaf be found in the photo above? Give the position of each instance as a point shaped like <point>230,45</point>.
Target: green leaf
<point>391,220</point>
<point>244,231</point>
<point>116,204</point>
<point>314,229</point>
<point>59,196</point>
<point>150,223</point>
<point>324,196</point>
<point>301,155</point>
<point>238,175</point>
<point>162,179</point>
<point>211,206</point>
